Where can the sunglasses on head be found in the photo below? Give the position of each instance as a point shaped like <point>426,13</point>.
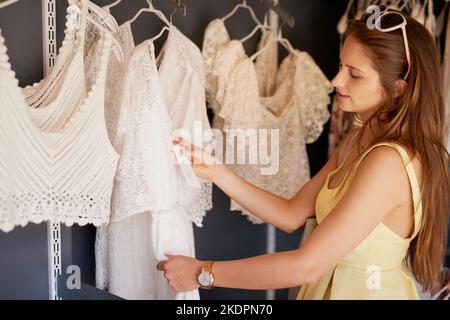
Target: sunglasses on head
<point>389,21</point>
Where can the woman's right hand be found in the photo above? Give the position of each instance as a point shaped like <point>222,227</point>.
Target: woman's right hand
<point>205,165</point>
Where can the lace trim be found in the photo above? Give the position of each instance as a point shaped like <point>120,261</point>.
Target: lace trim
<point>70,209</point>
<point>197,206</point>
<point>313,94</point>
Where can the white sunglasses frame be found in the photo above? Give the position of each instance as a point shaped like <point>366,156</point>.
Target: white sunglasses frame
<point>401,26</point>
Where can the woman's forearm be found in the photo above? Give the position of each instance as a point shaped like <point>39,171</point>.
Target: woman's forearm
<point>264,205</point>
<point>263,272</point>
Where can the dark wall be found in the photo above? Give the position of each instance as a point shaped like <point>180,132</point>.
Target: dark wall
<point>23,252</point>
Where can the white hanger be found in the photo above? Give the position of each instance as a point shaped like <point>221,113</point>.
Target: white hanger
<point>103,16</point>
<point>440,20</point>
<point>283,41</point>
<point>430,22</point>
<point>165,28</point>
<point>151,9</point>
<point>258,27</point>
<point>343,22</point>
<point>115,3</point>
<point>6,3</point>
<point>243,5</point>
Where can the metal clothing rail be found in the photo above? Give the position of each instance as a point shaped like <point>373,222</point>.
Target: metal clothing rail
<point>53,229</point>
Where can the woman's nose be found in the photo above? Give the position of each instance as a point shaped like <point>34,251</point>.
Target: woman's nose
<point>338,81</point>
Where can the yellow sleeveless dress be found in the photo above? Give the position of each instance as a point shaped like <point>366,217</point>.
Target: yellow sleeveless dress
<point>377,267</point>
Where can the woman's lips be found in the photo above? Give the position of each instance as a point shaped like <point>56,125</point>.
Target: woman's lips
<point>342,96</point>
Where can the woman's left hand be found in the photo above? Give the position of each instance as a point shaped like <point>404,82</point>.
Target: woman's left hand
<point>181,272</point>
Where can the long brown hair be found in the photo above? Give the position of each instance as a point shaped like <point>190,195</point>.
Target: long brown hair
<point>416,119</point>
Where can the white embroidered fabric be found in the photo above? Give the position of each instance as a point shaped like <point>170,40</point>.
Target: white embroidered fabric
<point>56,163</point>
<point>113,95</point>
<point>297,108</point>
<point>182,79</point>
<point>216,36</point>
<point>148,218</point>
<point>266,64</point>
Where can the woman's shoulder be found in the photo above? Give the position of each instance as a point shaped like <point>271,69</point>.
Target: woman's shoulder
<point>392,157</point>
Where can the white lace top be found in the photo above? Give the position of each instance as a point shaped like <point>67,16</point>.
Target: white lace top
<point>56,163</point>
<point>297,108</point>
<point>182,81</point>
<point>216,36</point>
<point>149,219</point>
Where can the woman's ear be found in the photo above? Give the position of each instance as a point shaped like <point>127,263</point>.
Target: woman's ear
<point>400,87</point>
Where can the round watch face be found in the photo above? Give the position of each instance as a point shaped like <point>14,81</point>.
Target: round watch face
<point>205,279</point>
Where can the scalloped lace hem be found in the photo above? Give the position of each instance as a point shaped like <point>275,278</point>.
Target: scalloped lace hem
<point>70,214</point>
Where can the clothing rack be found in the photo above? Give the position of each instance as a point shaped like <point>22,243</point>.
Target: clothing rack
<point>49,41</point>
<point>49,46</point>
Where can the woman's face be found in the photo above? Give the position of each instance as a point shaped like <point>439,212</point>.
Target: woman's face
<point>357,84</point>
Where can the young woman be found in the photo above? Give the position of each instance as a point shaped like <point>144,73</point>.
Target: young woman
<point>382,199</point>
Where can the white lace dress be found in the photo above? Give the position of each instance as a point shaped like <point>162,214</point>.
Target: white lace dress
<point>293,103</point>
<point>182,81</point>
<point>148,217</point>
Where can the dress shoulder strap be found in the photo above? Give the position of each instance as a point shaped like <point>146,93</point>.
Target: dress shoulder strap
<point>414,183</point>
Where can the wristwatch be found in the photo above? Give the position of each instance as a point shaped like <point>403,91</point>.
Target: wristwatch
<point>205,277</point>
